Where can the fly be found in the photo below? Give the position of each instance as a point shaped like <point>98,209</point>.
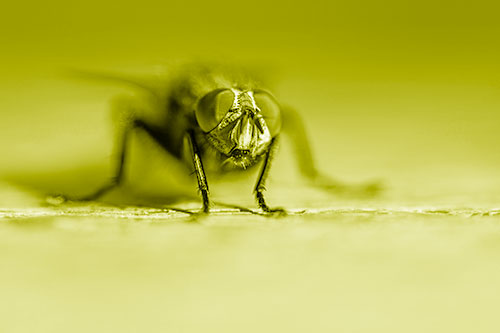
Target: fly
<point>222,118</point>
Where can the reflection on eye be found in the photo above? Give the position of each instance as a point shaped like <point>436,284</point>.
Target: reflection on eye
<point>270,110</point>
<point>213,107</point>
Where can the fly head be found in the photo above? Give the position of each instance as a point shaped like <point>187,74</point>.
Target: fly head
<point>240,124</point>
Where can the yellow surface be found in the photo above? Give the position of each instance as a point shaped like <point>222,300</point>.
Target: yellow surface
<point>403,92</point>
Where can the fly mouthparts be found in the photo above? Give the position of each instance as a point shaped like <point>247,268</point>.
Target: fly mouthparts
<point>239,153</point>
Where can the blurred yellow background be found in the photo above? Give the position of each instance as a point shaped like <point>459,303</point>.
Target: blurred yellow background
<point>407,92</point>
<point>402,91</point>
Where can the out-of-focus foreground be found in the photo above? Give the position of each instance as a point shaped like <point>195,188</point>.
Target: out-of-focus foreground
<point>393,91</point>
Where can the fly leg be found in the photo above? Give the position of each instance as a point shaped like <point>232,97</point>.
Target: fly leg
<point>200,172</point>
<point>260,187</point>
<point>293,127</point>
<point>118,175</point>
<point>117,179</point>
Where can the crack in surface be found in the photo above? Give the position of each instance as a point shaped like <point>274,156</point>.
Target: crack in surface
<point>174,213</point>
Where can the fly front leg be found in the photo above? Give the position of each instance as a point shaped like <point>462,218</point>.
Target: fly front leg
<point>260,187</point>
<point>200,172</point>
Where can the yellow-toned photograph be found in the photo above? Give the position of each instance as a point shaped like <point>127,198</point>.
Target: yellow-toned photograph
<point>326,166</point>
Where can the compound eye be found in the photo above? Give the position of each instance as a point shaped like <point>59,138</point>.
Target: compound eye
<point>213,107</point>
<point>270,111</point>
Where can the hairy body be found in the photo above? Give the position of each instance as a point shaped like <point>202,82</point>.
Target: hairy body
<point>216,118</point>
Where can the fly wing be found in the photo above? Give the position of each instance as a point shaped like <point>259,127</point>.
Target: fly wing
<point>152,83</point>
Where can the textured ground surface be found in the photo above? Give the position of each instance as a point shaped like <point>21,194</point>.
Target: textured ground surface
<point>104,268</point>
